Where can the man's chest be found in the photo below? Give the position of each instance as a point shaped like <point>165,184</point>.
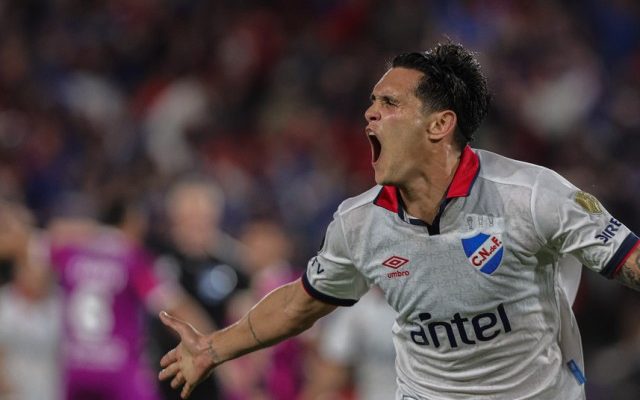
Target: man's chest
<point>475,261</point>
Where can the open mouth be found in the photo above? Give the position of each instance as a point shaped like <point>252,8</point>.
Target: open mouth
<point>376,147</point>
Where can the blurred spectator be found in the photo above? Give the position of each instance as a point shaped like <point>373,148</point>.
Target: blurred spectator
<point>180,106</point>
<point>200,257</point>
<point>355,352</point>
<point>30,334</point>
<point>267,255</point>
<point>276,372</point>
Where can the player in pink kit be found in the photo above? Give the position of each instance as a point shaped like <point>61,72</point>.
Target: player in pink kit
<point>106,282</point>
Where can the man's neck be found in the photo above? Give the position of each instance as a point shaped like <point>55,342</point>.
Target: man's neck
<point>423,195</point>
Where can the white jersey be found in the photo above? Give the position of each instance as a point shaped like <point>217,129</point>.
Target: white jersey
<point>481,309</point>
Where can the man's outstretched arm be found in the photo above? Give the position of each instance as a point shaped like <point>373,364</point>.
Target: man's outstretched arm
<point>285,312</point>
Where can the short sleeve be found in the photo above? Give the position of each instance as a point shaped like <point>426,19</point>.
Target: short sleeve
<point>571,221</point>
<point>331,276</point>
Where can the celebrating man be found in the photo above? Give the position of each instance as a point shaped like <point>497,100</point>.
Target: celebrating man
<point>464,244</point>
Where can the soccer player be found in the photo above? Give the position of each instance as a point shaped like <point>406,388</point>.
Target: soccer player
<point>464,244</point>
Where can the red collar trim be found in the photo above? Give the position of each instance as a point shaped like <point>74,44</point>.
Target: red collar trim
<point>388,198</point>
<point>463,179</point>
<point>465,174</point>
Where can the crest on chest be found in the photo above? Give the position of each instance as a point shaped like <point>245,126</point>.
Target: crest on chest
<point>484,251</point>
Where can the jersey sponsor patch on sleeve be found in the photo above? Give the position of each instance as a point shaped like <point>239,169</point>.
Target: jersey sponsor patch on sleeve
<point>610,231</point>
<point>588,202</point>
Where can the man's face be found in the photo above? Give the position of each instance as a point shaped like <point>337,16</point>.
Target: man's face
<point>193,219</point>
<point>397,127</point>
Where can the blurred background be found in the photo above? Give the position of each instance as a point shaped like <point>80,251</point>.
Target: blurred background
<point>124,103</point>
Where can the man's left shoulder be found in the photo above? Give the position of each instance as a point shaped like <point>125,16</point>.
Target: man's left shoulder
<point>500,169</point>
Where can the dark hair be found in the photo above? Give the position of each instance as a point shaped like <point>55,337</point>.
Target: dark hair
<point>452,81</point>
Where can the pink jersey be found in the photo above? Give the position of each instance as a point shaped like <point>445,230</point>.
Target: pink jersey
<point>108,282</point>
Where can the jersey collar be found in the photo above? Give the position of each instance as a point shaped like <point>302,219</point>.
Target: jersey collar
<point>460,186</point>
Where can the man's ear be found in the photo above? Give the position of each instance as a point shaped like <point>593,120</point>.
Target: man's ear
<point>442,124</point>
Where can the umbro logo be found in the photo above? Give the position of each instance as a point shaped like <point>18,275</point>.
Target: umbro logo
<point>396,262</point>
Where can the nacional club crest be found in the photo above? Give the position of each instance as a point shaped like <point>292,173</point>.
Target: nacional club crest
<point>484,251</point>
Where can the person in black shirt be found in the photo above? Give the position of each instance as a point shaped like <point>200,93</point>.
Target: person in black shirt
<point>201,258</point>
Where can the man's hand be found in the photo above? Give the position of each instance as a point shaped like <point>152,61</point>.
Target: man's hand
<point>191,361</point>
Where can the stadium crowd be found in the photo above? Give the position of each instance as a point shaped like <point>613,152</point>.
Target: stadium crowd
<point>120,101</point>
